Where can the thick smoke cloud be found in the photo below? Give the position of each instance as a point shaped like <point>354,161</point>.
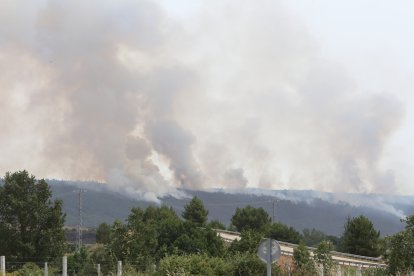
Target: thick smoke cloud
<point>123,93</point>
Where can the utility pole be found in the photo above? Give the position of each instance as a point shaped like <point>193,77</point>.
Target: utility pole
<point>79,234</point>
<point>273,211</point>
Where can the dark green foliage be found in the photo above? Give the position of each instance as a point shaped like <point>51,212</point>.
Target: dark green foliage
<point>103,233</point>
<point>195,212</point>
<point>85,261</point>
<point>231,227</point>
<point>401,250</point>
<point>303,261</point>
<point>282,232</point>
<point>409,224</point>
<point>322,256</point>
<point>312,237</point>
<point>199,240</point>
<point>336,241</point>
<point>250,218</point>
<point>77,262</point>
<point>249,242</point>
<point>248,264</point>
<point>156,232</point>
<point>119,243</point>
<point>99,255</point>
<point>216,224</point>
<point>31,225</point>
<point>360,237</point>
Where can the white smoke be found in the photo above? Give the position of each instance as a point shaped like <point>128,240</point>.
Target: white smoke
<point>236,97</point>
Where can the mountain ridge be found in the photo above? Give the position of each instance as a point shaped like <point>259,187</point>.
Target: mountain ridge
<point>326,213</point>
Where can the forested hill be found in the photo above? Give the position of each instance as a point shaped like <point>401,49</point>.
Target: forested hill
<point>300,209</point>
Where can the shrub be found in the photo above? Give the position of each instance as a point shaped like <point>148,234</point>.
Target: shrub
<point>248,264</point>
<point>30,269</point>
<point>303,261</point>
<point>194,265</point>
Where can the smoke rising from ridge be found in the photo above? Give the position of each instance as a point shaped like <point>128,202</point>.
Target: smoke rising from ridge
<point>126,94</point>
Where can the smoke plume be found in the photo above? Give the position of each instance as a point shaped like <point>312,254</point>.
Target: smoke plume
<point>236,96</point>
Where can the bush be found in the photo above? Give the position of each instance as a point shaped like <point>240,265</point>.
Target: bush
<point>249,242</point>
<point>30,269</point>
<point>99,255</point>
<point>248,264</point>
<point>194,265</point>
<point>237,264</point>
<point>323,256</point>
<point>303,260</point>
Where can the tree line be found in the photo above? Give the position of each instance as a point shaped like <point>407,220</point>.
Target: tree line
<point>157,241</point>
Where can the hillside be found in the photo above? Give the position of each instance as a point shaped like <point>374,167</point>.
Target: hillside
<point>300,209</point>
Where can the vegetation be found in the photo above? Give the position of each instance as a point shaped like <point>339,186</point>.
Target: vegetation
<point>360,237</point>
<point>79,263</point>
<point>31,269</point>
<point>239,264</point>
<point>156,241</point>
<point>31,225</point>
<point>103,233</point>
<point>375,271</point>
<point>249,242</point>
<point>195,265</point>
<point>303,260</point>
<point>313,237</point>
<point>216,224</point>
<point>250,218</point>
<point>156,232</point>
<point>281,232</point>
<point>195,212</point>
<point>401,250</point>
<point>323,257</point>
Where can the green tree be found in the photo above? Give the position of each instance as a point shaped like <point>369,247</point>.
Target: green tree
<point>249,242</point>
<point>31,224</point>
<point>77,262</point>
<point>103,233</point>
<point>303,260</point>
<point>401,250</point>
<point>156,232</point>
<point>216,224</point>
<point>323,256</point>
<point>118,245</point>
<point>152,233</point>
<point>312,237</point>
<point>250,218</point>
<point>248,264</point>
<point>193,239</point>
<point>99,254</point>
<point>282,232</point>
<point>195,212</point>
<point>360,237</point>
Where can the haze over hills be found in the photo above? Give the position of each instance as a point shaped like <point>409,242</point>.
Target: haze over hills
<point>301,209</point>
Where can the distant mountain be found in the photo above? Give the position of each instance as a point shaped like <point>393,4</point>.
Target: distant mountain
<point>301,209</point>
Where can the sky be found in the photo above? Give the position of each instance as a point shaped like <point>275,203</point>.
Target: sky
<point>151,96</point>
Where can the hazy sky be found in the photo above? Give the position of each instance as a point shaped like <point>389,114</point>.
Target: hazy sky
<point>149,96</point>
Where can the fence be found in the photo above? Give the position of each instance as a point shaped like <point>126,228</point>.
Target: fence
<point>13,266</point>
